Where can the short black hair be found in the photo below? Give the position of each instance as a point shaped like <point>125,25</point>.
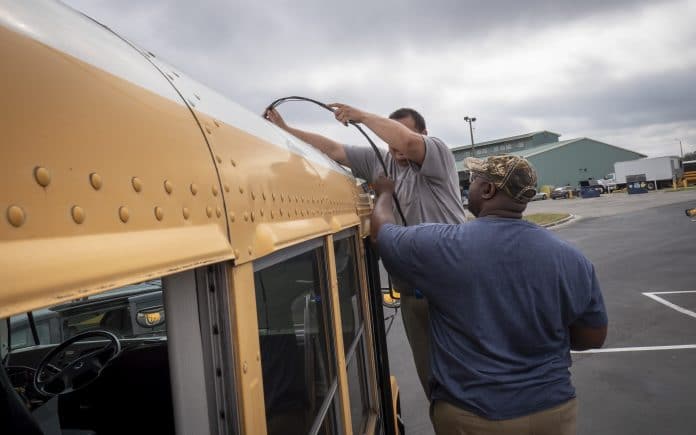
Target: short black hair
<point>406,112</point>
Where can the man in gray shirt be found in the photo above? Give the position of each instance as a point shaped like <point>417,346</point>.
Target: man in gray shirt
<point>427,188</point>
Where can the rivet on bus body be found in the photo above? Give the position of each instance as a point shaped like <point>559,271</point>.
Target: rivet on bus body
<point>241,189</point>
<point>16,215</point>
<point>78,214</point>
<point>218,212</point>
<point>234,164</point>
<point>258,357</point>
<point>227,187</point>
<point>185,211</point>
<point>282,198</point>
<point>246,216</point>
<point>273,196</point>
<point>209,211</point>
<point>245,367</point>
<point>217,124</point>
<point>272,215</point>
<point>261,212</point>
<point>168,187</point>
<point>231,217</point>
<point>137,184</point>
<point>159,213</point>
<point>215,191</point>
<point>236,253</point>
<point>250,250</point>
<point>124,214</point>
<point>42,176</point>
<point>218,158</point>
<point>207,129</point>
<point>263,195</point>
<point>253,216</point>
<point>280,211</point>
<point>194,189</point>
<point>95,180</point>
<point>253,195</point>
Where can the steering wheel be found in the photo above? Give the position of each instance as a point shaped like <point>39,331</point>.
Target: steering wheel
<point>78,373</point>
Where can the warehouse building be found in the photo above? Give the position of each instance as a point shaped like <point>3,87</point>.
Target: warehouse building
<point>558,163</point>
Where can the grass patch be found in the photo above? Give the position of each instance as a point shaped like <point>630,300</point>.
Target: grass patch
<point>545,218</point>
<point>679,189</point>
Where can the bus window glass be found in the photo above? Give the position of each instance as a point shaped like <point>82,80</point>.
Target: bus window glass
<point>330,424</point>
<point>357,389</point>
<point>297,354</point>
<point>348,293</point>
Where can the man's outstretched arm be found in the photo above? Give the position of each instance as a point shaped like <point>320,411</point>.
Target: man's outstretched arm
<point>329,147</point>
<point>394,133</point>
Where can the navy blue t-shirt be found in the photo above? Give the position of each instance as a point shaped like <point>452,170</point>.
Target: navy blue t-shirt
<point>502,294</point>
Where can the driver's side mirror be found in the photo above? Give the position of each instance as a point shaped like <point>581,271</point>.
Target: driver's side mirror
<point>391,299</point>
<point>150,317</point>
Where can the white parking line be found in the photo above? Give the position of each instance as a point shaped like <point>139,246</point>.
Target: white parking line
<point>652,295</point>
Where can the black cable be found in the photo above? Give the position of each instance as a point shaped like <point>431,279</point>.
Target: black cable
<point>280,101</point>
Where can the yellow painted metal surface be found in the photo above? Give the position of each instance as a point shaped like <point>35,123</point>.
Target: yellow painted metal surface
<point>245,336</point>
<point>105,183</point>
<point>85,159</point>
<point>275,197</point>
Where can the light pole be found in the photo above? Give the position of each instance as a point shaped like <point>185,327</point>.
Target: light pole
<point>681,149</point>
<point>471,119</point>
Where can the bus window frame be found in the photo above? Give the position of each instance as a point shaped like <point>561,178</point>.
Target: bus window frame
<point>363,336</point>
<point>194,308</point>
<point>335,395</point>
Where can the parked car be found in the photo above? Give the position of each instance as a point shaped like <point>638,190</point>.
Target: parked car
<point>563,192</point>
<point>540,196</point>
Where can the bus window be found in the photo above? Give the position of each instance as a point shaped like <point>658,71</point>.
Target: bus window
<point>124,312</point>
<point>353,330</point>
<point>134,359</point>
<point>297,354</point>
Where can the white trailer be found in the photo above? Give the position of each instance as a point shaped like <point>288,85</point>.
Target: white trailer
<point>659,171</point>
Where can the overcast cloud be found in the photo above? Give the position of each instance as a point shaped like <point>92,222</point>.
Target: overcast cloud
<point>616,71</point>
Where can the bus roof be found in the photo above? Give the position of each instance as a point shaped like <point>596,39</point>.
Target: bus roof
<point>117,168</point>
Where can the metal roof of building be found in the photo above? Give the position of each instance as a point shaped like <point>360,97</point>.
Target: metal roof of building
<point>549,147</point>
<point>554,145</point>
<point>504,139</point>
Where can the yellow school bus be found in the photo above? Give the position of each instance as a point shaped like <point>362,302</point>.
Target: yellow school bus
<point>169,261</point>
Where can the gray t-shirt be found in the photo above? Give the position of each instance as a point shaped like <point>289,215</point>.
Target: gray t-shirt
<point>428,193</point>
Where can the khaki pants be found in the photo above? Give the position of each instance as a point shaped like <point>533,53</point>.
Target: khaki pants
<point>414,313</point>
<point>451,420</point>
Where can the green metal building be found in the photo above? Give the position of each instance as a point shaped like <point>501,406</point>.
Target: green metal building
<point>558,163</point>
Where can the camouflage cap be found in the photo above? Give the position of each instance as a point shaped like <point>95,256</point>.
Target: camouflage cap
<point>513,175</point>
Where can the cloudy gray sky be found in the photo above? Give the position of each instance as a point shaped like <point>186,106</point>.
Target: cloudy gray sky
<point>621,71</point>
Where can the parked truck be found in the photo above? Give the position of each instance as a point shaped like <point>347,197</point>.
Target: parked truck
<point>659,172</point>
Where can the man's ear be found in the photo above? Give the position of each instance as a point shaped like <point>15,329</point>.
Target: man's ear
<point>488,190</point>
<point>424,132</point>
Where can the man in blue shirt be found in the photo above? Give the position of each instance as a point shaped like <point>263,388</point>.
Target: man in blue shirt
<point>508,301</point>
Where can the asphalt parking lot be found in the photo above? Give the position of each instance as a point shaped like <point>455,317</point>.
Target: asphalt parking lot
<point>642,382</point>
<point>610,204</point>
